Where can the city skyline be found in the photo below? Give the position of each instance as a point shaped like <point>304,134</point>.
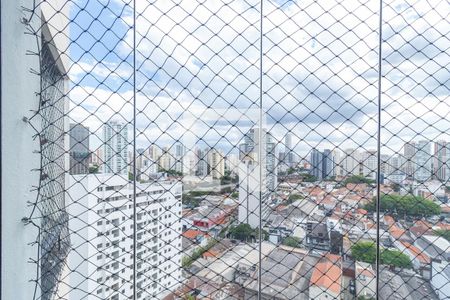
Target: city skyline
<point>433,161</point>
<point>242,149</point>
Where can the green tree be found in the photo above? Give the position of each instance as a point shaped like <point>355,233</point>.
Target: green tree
<point>444,233</point>
<point>242,232</point>
<point>396,187</point>
<point>245,232</point>
<point>187,261</point>
<point>93,169</point>
<point>405,205</point>
<point>228,178</point>
<point>265,234</point>
<point>367,251</point>
<point>171,172</point>
<point>357,179</point>
<point>364,251</point>
<point>309,178</point>
<point>395,258</point>
<point>291,241</point>
<point>294,197</point>
<point>193,198</point>
<point>290,171</point>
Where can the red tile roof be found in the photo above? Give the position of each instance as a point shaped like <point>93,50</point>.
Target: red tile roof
<point>327,273</point>
<point>389,220</point>
<point>423,258</point>
<point>397,233</point>
<point>367,272</point>
<point>211,253</point>
<point>362,211</point>
<point>445,208</point>
<point>443,226</point>
<point>192,234</point>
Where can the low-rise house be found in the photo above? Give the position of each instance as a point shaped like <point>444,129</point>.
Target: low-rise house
<point>241,257</point>
<point>420,228</point>
<point>328,203</point>
<point>317,236</point>
<point>192,239</point>
<point>219,249</point>
<point>199,288</point>
<point>300,210</point>
<point>404,285</point>
<point>420,260</point>
<point>326,279</point>
<point>434,246</point>
<point>399,234</point>
<point>286,274</point>
<point>334,222</point>
<point>357,187</point>
<point>208,217</point>
<point>440,278</point>
<point>366,285</point>
<point>388,220</point>
<point>445,209</point>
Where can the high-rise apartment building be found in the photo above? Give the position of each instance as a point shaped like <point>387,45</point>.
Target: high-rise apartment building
<point>146,164</point>
<point>350,162</point>
<point>271,163</point>
<point>253,193</point>
<point>149,169</point>
<point>441,160</point>
<point>328,167</point>
<point>288,150</point>
<point>395,164</point>
<point>178,157</point>
<point>337,158</point>
<point>316,164</point>
<point>202,164</point>
<point>115,146</point>
<point>79,149</point>
<point>257,175</point>
<point>154,152</point>
<point>97,157</point>
<point>232,163</point>
<point>384,166</point>
<point>250,148</point>
<point>166,159</point>
<point>409,151</point>
<point>190,162</point>
<point>322,164</point>
<point>103,255</point>
<point>369,162</point>
<point>423,161</point>
<point>216,163</point>
<point>179,150</point>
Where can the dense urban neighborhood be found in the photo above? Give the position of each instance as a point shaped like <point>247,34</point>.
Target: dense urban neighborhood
<point>314,221</point>
<point>225,150</point>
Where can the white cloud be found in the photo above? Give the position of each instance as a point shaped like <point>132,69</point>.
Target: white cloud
<point>320,66</point>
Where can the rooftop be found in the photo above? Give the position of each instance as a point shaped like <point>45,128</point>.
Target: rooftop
<point>327,273</point>
<point>417,253</point>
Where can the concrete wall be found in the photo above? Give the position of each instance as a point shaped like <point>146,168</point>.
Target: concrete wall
<point>55,14</point>
<point>17,99</point>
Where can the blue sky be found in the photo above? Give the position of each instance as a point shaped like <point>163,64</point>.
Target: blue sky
<point>319,61</point>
